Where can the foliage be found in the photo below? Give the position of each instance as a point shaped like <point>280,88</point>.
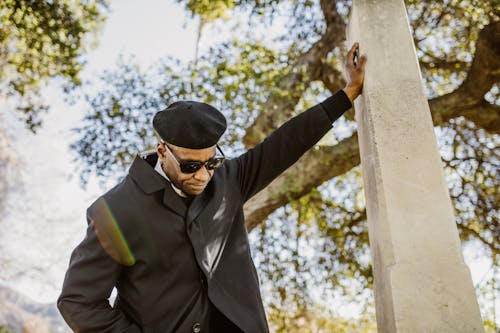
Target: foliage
<point>210,11</point>
<point>472,162</point>
<point>316,319</point>
<point>40,40</point>
<point>456,25</point>
<point>487,290</point>
<point>124,100</point>
<point>318,240</point>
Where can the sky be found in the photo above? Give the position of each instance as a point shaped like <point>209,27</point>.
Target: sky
<point>46,213</point>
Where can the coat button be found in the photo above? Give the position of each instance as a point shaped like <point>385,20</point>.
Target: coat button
<point>196,327</point>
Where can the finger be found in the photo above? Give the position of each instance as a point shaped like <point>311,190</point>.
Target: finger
<point>362,62</point>
<point>350,54</point>
<point>354,47</point>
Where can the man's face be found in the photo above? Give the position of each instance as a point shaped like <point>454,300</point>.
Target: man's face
<point>190,183</point>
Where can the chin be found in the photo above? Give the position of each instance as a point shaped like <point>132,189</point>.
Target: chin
<point>194,191</point>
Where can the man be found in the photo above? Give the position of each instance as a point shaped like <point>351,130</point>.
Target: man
<point>171,236</point>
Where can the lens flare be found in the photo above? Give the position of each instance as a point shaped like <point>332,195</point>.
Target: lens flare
<point>110,235</point>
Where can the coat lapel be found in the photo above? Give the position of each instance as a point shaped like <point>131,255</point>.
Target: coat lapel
<point>208,226</point>
<point>144,175</point>
<point>173,201</point>
<point>193,227</point>
<point>199,203</point>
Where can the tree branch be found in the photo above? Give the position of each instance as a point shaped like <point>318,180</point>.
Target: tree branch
<point>333,81</point>
<point>448,65</point>
<point>314,168</point>
<point>485,68</point>
<point>468,99</point>
<point>470,231</point>
<point>330,76</point>
<point>318,166</point>
<point>482,114</point>
<point>309,65</point>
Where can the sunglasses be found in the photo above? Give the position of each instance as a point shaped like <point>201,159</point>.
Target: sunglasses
<point>193,166</point>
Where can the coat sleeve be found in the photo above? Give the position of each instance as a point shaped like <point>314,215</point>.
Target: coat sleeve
<point>260,165</point>
<point>89,280</point>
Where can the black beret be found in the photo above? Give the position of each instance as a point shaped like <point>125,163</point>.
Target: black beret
<point>190,124</point>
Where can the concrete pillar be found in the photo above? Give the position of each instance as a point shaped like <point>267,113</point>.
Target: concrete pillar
<point>421,281</point>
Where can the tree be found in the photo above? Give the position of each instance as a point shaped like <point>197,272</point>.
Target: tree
<point>40,41</point>
<point>310,223</point>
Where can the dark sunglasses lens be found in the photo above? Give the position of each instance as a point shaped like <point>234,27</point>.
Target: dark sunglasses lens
<point>215,163</point>
<point>190,167</point>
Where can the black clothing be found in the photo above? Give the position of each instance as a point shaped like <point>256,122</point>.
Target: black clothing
<point>190,124</point>
<point>179,268</point>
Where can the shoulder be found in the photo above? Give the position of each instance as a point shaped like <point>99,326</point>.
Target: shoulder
<point>109,217</point>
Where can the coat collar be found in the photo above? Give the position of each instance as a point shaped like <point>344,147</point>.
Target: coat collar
<point>144,175</point>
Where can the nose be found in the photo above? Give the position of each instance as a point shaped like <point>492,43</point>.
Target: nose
<point>202,174</point>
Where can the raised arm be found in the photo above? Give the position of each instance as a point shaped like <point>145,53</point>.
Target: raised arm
<point>260,165</point>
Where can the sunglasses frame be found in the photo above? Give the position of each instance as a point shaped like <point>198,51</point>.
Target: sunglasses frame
<point>193,166</point>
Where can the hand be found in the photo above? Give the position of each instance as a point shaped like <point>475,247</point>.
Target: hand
<point>355,72</point>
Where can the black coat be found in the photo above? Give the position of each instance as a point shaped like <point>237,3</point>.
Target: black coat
<point>180,268</point>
